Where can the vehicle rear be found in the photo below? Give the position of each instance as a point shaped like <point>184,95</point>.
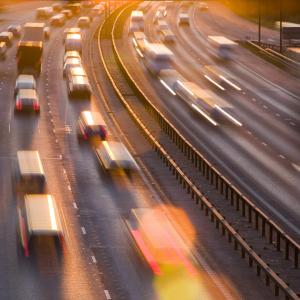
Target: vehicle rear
<point>3,49</point>
<point>91,124</point>
<point>136,21</point>
<point>43,13</point>
<point>222,47</point>
<point>83,22</point>
<point>29,57</point>
<point>79,87</point>
<point>73,43</point>
<point>157,57</point>
<point>29,172</point>
<point>6,37</point>
<point>115,156</point>
<point>40,225</point>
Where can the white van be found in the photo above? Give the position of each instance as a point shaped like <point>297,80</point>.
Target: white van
<point>29,174</point>
<point>136,21</point>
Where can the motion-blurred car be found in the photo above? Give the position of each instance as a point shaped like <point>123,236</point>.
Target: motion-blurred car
<point>57,20</point>
<point>79,87</point>
<point>183,19</point>
<point>27,100</point>
<point>87,4</point>
<point>203,6</point>
<point>39,224</point>
<point>72,54</point>
<point>75,71</point>
<point>6,37</point>
<point>47,32</point>
<point>68,13</point>
<point>114,155</point>
<point>57,7</point>
<point>3,49</point>
<point>69,63</point>
<point>167,36</point>
<point>15,30</point>
<point>25,82</point>
<point>91,124</point>
<point>83,22</point>
<point>73,42</point>
<point>43,13</point>
<point>71,30</point>
<point>29,175</point>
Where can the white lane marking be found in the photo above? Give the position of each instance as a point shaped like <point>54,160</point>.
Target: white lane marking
<point>230,83</point>
<point>297,167</point>
<point>75,205</point>
<point>214,82</point>
<point>9,127</point>
<point>107,295</point>
<point>265,144</point>
<point>60,156</point>
<point>83,230</point>
<point>69,188</point>
<point>265,107</point>
<point>277,115</point>
<point>253,99</point>
<point>167,87</point>
<point>282,156</point>
<point>244,93</point>
<point>94,259</point>
<point>249,132</point>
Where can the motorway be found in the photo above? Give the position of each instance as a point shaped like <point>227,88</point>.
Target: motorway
<point>262,157</point>
<point>100,261</point>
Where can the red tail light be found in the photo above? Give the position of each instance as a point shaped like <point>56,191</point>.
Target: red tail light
<point>19,105</point>
<point>36,106</point>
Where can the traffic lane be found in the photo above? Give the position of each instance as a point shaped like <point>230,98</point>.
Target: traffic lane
<point>254,83</point>
<point>234,163</point>
<point>278,132</point>
<point>220,18</point>
<point>267,129</point>
<point>100,197</point>
<point>54,281</point>
<point>15,14</point>
<point>250,64</point>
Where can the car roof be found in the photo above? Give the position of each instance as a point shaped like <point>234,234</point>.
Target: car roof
<point>6,33</point>
<point>27,93</point>
<point>84,18</point>
<point>77,70</point>
<point>42,214</point>
<point>92,118</point>
<point>25,78</point>
<point>73,36</point>
<point>73,61</point>
<point>79,80</point>
<point>30,162</point>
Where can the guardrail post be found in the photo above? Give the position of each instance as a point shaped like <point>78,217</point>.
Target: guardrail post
<point>263,227</point>
<point>258,270</point>
<point>249,213</point>
<point>238,203</point>
<point>232,197</point>
<point>256,220</point>
<point>267,280</point>
<point>243,208</point>
<point>276,290</point>
<point>271,234</point>
<point>296,258</point>
<point>278,240</point>
<point>235,244</point>
<point>250,261</point>
<point>287,250</point>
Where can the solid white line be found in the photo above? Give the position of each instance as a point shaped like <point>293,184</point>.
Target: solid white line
<point>235,121</point>
<point>214,82</point>
<point>204,115</point>
<point>230,83</point>
<point>83,230</point>
<point>297,167</point>
<point>107,295</point>
<point>94,259</point>
<point>167,87</point>
<point>69,188</point>
<point>282,156</point>
<point>75,205</point>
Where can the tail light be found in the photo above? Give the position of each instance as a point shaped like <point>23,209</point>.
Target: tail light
<point>36,106</point>
<point>19,105</point>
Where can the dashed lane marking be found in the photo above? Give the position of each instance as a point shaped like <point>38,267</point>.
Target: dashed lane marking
<point>83,230</point>
<point>75,205</point>
<point>107,295</point>
<point>94,259</point>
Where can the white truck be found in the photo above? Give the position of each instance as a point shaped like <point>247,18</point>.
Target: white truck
<point>157,57</point>
<point>222,47</point>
